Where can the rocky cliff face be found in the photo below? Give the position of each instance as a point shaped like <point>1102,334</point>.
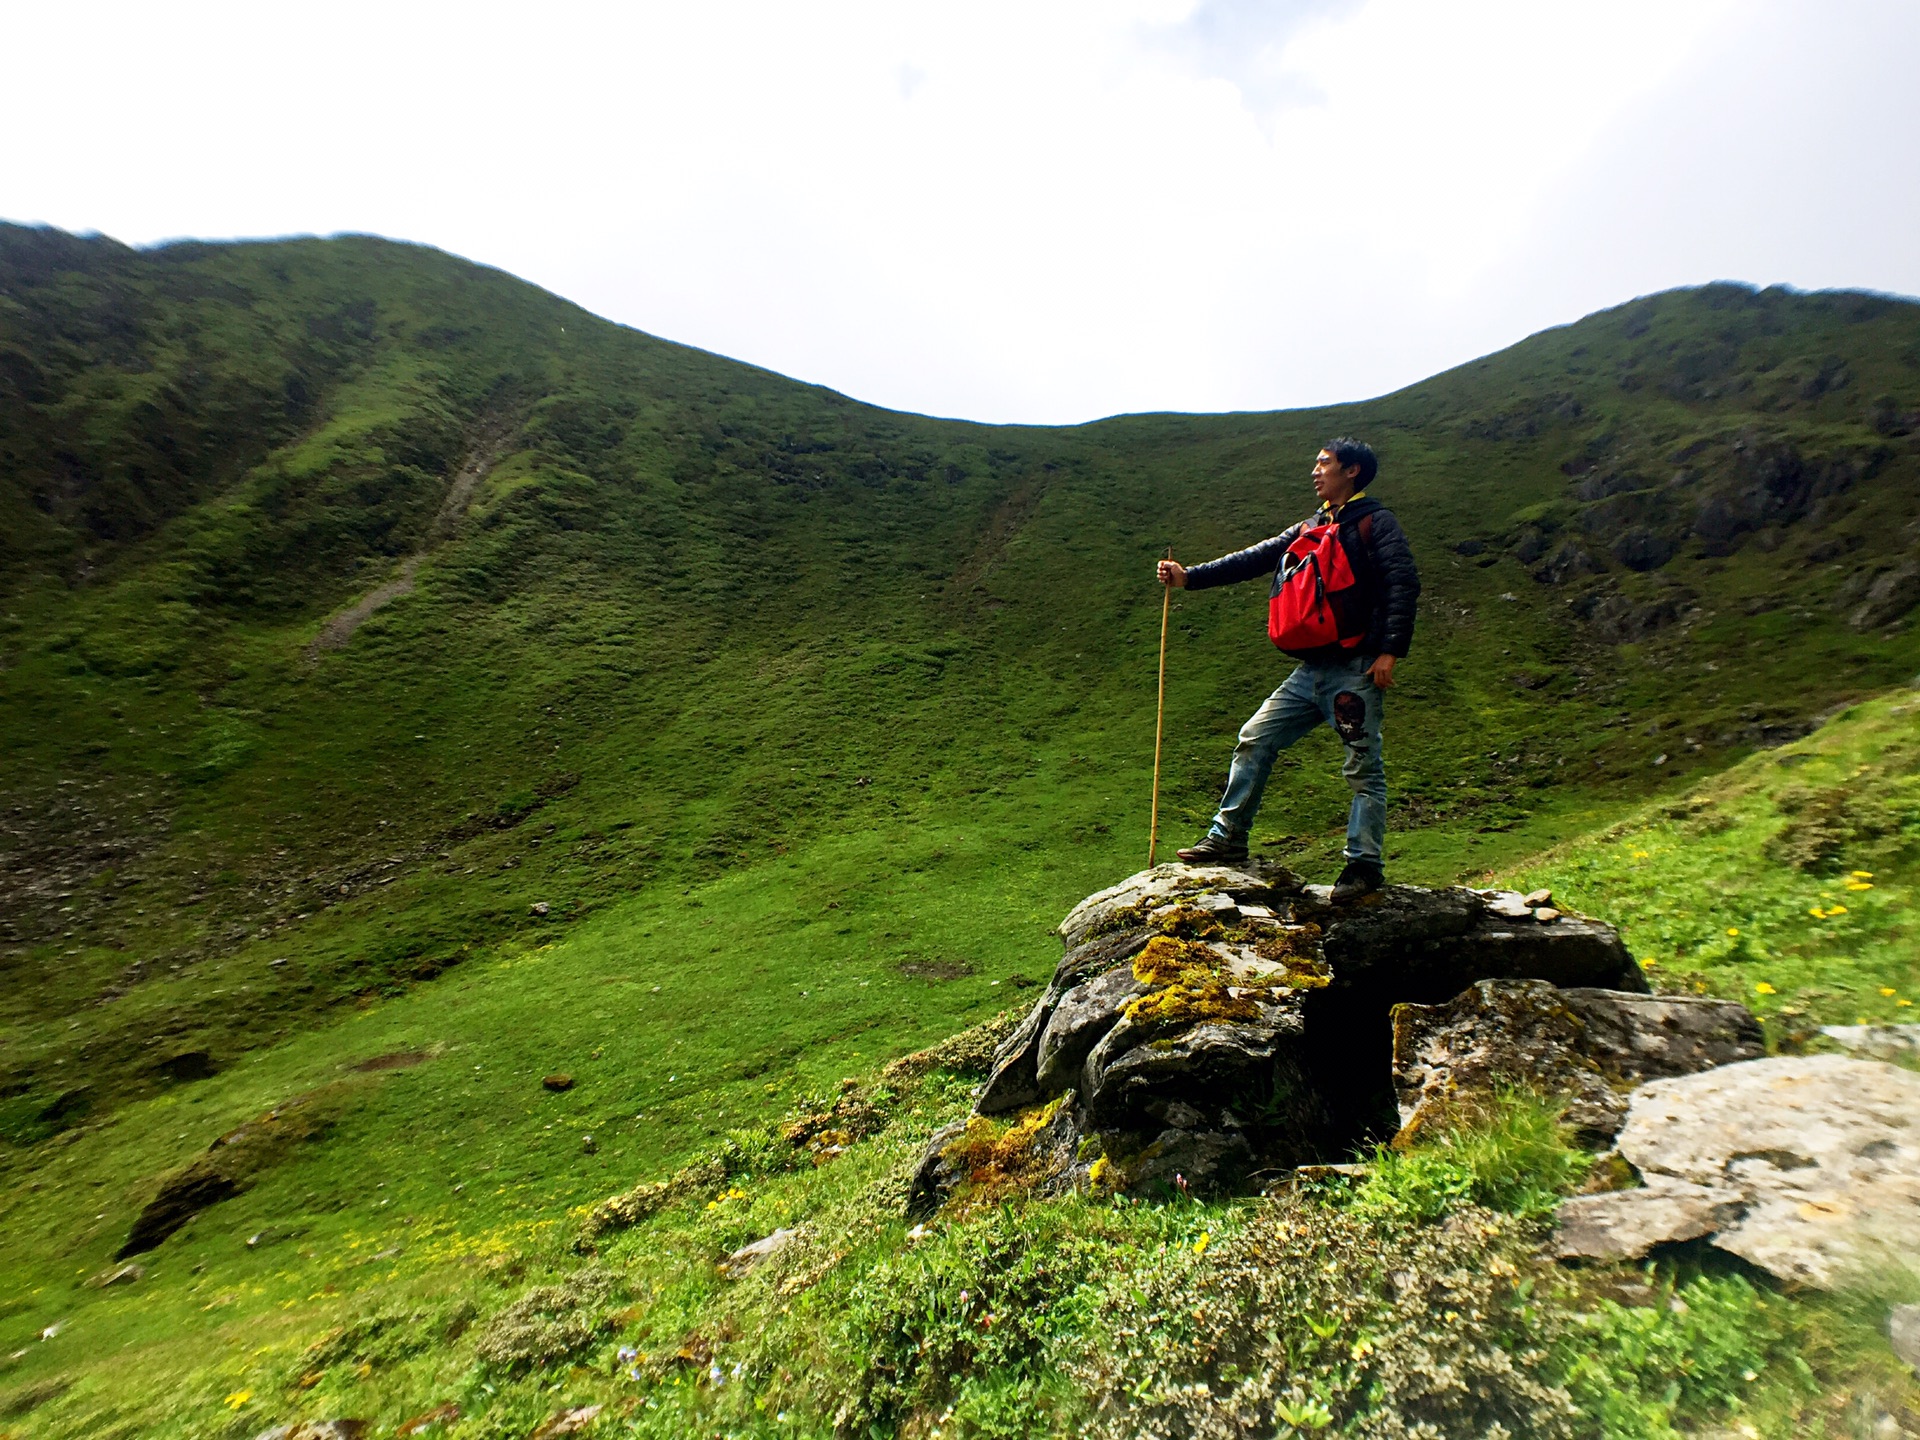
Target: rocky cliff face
<point>1208,1025</point>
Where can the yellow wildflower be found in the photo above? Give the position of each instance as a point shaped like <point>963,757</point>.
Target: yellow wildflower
<point>1817,912</point>
<point>1888,991</point>
<point>1858,885</point>
<point>1648,963</point>
<point>238,1398</point>
<point>1733,930</point>
<point>1863,874</point>
<point>1763,988</point>
<point>1833,910</point>
<point>1200,1245</point>
<point>1903,1002</point>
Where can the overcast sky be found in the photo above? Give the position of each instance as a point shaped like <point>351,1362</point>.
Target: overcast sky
<point>1027,211</point>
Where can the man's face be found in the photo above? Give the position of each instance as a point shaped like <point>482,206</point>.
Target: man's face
<point>1332,482</point>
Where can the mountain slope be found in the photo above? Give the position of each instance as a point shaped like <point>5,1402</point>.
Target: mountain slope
<point>656,614</point>
<point>775,701</point>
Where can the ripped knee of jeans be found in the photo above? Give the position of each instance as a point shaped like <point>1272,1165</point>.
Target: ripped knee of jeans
<point>1350,717</point>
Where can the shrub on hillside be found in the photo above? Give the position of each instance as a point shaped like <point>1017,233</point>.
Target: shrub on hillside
<point>549,1322</point>
<point>1312,1317</point>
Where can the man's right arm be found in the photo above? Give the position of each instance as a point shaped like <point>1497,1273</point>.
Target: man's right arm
<point>1241,565</point>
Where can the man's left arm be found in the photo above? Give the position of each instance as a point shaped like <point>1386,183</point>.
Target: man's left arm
<point>1399,581</point>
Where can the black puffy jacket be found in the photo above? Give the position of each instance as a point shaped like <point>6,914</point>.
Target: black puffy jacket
<point>1382,562</point>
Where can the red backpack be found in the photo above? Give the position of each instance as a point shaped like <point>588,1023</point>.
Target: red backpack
<point>1317,600</point>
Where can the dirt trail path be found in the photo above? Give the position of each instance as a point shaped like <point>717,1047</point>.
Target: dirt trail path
<point>487,452</point>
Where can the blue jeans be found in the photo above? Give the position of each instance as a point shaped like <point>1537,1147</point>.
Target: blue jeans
<point>1341,695</point>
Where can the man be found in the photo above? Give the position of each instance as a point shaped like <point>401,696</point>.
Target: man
<point>1342,603</point>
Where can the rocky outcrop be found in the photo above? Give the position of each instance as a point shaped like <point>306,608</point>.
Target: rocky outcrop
<point>1210,1023</point>
<point>1806,1166</point>
<point>1890,594</point>
<point>1591,1046</point>
<point>232,1163</point>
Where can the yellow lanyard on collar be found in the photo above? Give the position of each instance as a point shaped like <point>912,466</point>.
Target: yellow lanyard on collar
<point>1331,513</point>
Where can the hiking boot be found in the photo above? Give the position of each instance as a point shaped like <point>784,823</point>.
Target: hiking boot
<point>1361,877</point>
<point>1215,850</point>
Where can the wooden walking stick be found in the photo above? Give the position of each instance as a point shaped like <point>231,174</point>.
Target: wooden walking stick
<point>1159,717</point>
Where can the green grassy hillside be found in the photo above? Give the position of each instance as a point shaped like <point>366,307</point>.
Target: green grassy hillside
<point>376,1270</point>
<point>810,715</point>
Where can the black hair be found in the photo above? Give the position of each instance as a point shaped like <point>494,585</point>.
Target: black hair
<point>1348,451</point>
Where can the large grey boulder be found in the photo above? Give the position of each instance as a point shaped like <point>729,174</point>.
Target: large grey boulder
<point>1207,1022</point>
<point>1820,1155</point>
<point>1591,1046</point>
<point>1876,1042</point>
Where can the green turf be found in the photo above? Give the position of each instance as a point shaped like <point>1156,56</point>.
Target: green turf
<point>1788,882</point>
<point>813,715</point>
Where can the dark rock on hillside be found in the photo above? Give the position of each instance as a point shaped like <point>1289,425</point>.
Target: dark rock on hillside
<point>1640,548</point>
<point>1890,594</point>
<point>231,1164</point>
<point>1591,1046</point>
<point>67,1106</point>
<point>1769,482</point>
<point>1604,485</point>
<point>1619,619</point>
<point>1568,562</point>
<point>188,1065</point>
<point>182,1196</point>
<point>1890,419</point>
<point>1015,1080</point>
<point>1209,1023</point>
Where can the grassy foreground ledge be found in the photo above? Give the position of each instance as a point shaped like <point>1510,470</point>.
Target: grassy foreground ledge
<point>1367,1306</point>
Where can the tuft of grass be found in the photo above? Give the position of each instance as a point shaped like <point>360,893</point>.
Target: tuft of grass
<point>1514,1156</point>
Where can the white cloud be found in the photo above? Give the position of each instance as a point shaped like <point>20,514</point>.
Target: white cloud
<point>1033,211</point>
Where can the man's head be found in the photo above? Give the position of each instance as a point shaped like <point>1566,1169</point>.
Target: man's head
<point>1342,469</point>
